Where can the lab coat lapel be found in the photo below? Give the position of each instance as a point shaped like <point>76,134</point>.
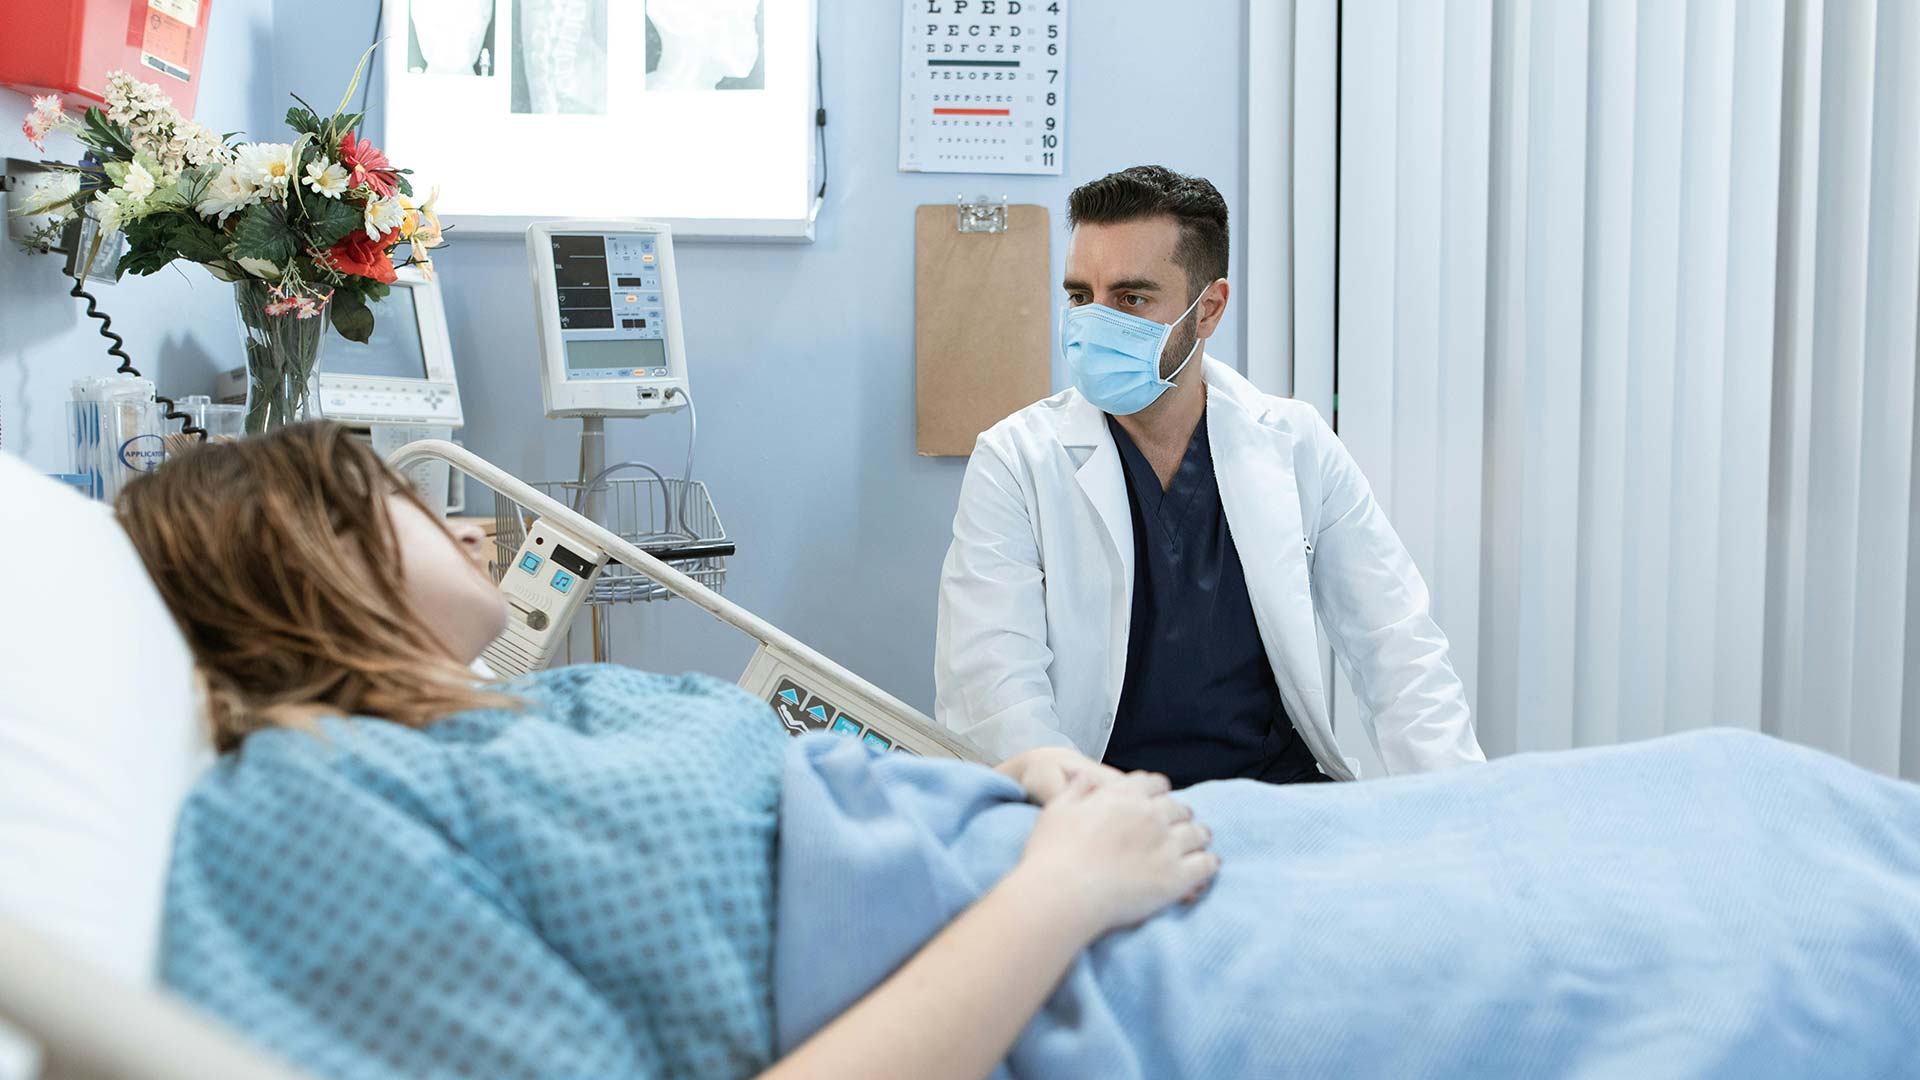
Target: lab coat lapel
<point>1253,461</point>
<point>1085,435</point>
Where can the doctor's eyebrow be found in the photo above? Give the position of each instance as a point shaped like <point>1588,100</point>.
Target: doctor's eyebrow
<point>1123,285</point>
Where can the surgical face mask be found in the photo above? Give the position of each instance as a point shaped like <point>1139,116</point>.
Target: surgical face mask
<point>1115,357</point>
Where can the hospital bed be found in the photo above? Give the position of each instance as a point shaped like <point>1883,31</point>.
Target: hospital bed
<point>89,1025</point>
<point>806,690</point>
<point>67,1014</point>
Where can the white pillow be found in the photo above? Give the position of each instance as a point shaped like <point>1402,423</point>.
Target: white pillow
<point>99,735</point>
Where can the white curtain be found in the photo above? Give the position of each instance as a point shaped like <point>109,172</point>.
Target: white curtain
<point>1628,295</point>
<point>1287,227</point>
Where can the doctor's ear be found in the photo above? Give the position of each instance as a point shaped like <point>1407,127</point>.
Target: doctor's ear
<point>1213,304</point>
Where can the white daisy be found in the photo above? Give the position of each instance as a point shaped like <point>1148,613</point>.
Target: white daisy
<point>227,194</point>
<point>268,167</point>
<point>382,215</point>
<point>326,178</point>
<point>138,183</point>
<point>106,211</point>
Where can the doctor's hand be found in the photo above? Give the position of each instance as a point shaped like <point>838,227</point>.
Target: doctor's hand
<point>1046,771</point>
<point>1121,851</point>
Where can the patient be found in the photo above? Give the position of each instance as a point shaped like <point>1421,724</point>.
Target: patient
<point>397,870</point>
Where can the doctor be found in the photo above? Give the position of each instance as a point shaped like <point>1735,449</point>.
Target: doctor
<point>1138,562</point>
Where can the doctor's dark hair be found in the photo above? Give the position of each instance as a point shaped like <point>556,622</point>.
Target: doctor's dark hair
<point>1149,191</point>
<point>277,557</point>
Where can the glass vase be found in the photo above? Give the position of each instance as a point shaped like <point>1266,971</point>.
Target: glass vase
<point>281,338</point>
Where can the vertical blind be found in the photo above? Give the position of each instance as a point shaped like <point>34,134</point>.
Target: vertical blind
<point>1627,302</point>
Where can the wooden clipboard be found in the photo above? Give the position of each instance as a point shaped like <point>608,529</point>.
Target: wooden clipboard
<point>982,344</point>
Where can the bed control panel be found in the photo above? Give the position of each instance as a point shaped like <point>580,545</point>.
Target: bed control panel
<point>806,702</point>
<point>544,586</point>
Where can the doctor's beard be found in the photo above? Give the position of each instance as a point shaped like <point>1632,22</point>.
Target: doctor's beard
<point>1180,344</point>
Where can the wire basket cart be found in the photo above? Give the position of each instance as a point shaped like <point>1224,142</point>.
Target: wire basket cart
<point>671,519</point>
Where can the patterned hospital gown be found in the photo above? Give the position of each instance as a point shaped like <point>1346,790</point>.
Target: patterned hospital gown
<point>582,889</point>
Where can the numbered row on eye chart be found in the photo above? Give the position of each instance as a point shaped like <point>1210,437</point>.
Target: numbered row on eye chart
<point>980,20</point>
<point>982,85</point>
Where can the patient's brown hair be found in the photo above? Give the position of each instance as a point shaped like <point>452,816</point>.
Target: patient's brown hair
<point>278,560</point>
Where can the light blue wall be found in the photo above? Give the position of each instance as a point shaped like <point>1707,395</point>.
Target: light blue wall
<point>801,356</point>
<point>179,326</point>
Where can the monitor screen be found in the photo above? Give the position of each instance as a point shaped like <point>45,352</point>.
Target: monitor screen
<point>394,350</point>
<point>606,355</point>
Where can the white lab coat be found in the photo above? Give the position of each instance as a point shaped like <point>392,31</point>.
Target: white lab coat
<point>1036,596</point>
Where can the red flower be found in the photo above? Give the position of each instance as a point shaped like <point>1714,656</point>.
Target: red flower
<point>367,165</point>
<point>363,255</point>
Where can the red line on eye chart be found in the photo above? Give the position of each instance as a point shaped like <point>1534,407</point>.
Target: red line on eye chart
<point>973,112</point>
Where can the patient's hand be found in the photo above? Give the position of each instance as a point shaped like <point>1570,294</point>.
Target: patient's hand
<point>1122,852</point>
<point>1045,772</point>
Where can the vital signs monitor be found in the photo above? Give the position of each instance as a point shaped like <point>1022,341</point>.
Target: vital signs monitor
<point>608,303</point>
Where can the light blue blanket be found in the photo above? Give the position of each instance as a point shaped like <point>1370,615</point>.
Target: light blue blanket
<point>1714,904</point>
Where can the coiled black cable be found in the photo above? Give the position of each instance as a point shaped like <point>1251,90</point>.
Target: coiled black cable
<point>114,343</point>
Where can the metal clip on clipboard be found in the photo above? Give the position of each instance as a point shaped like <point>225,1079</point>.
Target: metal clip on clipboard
<point>982,215</point>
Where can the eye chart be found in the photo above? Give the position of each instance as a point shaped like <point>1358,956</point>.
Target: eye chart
<point>983,86</point>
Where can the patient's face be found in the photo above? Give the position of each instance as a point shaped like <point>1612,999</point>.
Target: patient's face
<point>446,579</point>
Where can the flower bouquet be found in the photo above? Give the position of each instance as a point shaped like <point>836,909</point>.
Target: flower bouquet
<point>305,230</point>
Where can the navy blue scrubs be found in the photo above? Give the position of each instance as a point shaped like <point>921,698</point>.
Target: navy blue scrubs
<point>1199,701</point>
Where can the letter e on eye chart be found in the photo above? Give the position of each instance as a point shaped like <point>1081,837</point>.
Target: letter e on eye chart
<point>983,86</point>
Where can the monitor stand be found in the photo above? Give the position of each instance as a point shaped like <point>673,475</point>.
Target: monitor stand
<point>593,461</point>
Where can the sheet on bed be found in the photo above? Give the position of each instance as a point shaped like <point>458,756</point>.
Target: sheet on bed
<point>1711,904</point>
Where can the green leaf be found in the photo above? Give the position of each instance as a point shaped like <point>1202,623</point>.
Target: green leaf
<point>103,136</point>
<point>296,193</point>
<point>351,316</point>
<point>306,119</point>
<point>142,263</point>
<point>194,181</point>
<point>357,70</point>
<point>331,220</point>
<point>264,233</point>
<point>197,241</point>
<point>183,192</point>
<point>303,120</point>
<point>224,270</point>
<point>148,247</point>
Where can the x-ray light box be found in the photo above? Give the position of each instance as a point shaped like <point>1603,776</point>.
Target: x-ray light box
<point>699,113</point>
